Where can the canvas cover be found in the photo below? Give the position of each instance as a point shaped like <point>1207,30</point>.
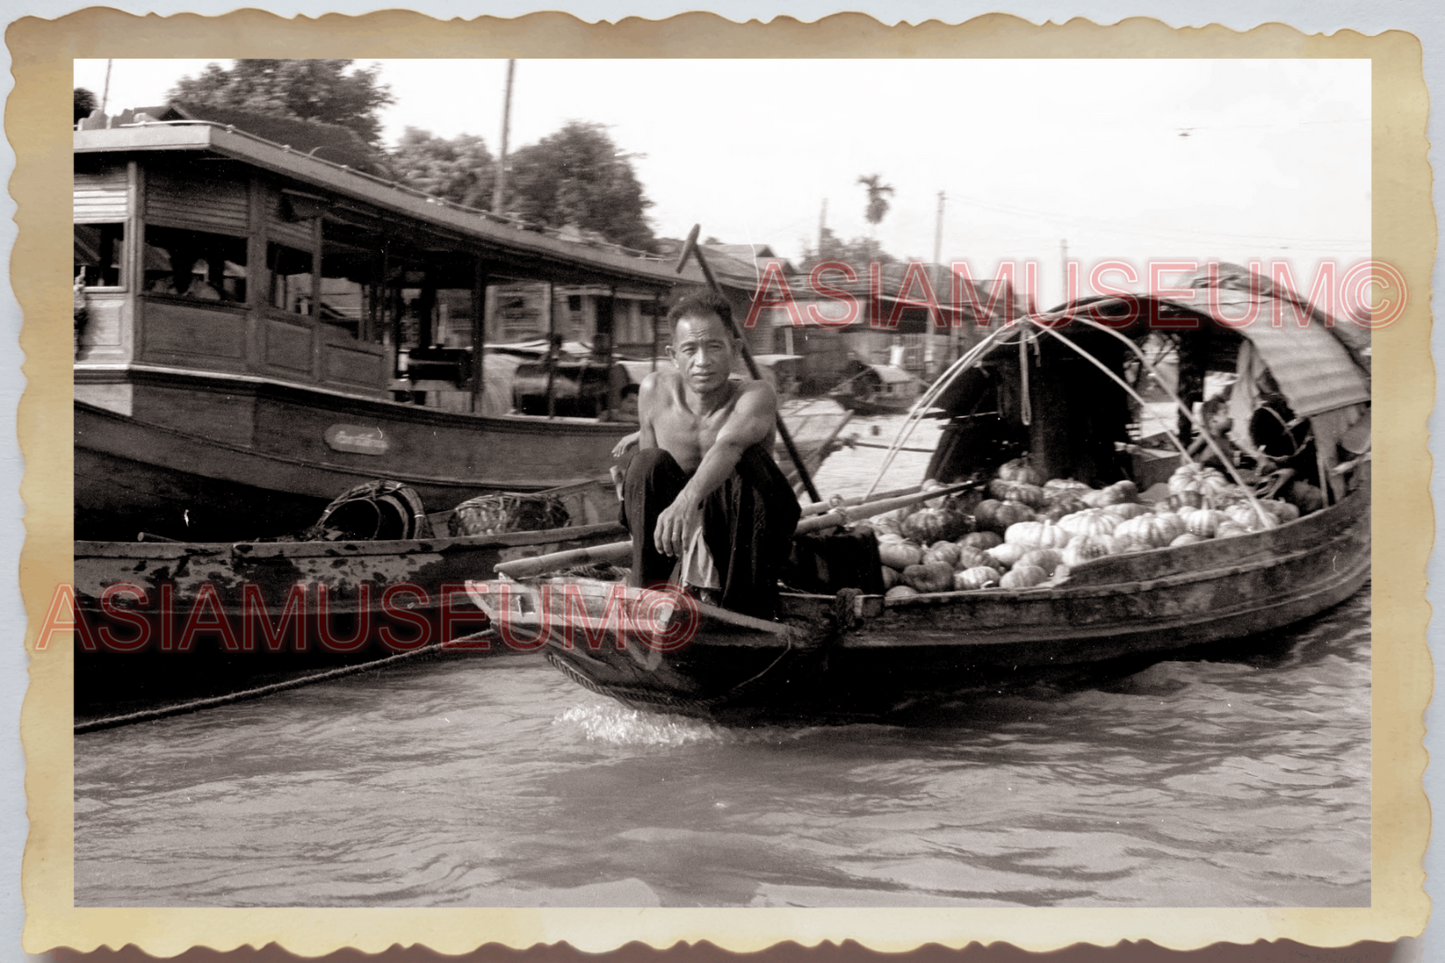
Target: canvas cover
<point>1312,367</point>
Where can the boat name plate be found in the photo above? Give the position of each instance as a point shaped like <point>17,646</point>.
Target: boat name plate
<point>357,438</point>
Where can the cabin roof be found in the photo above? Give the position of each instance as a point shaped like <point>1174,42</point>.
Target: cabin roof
<point>529,252</point>
<point>740,266</point>
<point>337,144</point>
<point>1312,367</point>
<point>1305,354</point>
<point>745,251</point>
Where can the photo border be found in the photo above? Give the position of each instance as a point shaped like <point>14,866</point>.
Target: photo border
<point>1404,235</point>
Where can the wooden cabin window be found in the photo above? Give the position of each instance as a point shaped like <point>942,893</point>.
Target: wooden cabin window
<point>195,265</point>
<point>454,317</point>
<point>347,288</point>
<point>291,278</point>
<point>99,254</point>
<point>354,296</point>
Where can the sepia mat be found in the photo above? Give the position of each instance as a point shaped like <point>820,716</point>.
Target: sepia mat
<point>1404,235</point>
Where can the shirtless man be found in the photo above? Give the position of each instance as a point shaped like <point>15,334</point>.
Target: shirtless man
<point>703,498</point>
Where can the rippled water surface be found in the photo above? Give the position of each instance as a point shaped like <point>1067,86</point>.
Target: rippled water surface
<point>476,781</point>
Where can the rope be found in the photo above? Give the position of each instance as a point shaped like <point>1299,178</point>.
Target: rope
<point>1026,404</point>
<point>197,705</point>
<point>944,381</point>
<point>1183,408</point>
<point>1289,427</point>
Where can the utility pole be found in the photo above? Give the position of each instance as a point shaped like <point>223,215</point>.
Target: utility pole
<point>105,96</point>
<point>1064,264</point>
<point>499,198</point>
<point>822,225</point>
<point>930,362</point>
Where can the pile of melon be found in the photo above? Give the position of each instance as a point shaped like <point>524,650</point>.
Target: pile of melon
<point>1030,532</point>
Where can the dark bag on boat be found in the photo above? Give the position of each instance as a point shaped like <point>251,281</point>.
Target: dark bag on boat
<point>826,563</point>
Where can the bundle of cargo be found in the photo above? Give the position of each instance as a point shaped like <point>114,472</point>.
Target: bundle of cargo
<point>1033,532</point>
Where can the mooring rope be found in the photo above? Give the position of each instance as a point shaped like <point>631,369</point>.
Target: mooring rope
<point>212,702</point>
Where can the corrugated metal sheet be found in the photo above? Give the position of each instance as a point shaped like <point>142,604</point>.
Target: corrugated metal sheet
<point>1312,367</point>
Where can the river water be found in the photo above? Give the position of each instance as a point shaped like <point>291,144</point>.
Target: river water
<point>492,781</point>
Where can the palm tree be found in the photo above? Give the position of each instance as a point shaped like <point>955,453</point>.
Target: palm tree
<point>877,203</point>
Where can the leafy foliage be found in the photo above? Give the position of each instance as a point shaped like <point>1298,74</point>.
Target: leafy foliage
<point>857,252</point>
<point>329,91</point>
<point>877,202</point>
<point>579,177</point>
<point>85,102</point>
<point>575,178</point>
<point>460,169</point>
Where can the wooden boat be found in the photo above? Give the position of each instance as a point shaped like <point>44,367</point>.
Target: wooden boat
<point>171,621</point>
<point>133,475</point>
<point>119,582</point>
<point>877,389</point>
<point>853,654</point>
<point>258,329</point>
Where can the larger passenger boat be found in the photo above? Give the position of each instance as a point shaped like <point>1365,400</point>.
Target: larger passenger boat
<point>1207,560</point>
<point>260,329</point>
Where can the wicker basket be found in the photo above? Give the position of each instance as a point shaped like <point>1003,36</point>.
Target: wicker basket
<point>503,512</point>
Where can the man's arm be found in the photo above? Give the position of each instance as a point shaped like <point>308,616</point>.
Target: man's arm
<point>646,405</point>
<point>750,423</point>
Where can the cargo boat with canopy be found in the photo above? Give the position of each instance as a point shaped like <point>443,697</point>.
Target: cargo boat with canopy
<point>1061,544</point>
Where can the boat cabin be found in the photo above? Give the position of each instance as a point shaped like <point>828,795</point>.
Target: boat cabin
<point>258,318</point>
<point>1073,394</point>
<point>199,247</point>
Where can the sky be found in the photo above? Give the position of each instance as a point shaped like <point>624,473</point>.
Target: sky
<point>1135,160</point>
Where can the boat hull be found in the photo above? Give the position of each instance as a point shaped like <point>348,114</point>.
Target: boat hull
<point>863,656</point>
<point>172,620</point>
<point>203,457</point>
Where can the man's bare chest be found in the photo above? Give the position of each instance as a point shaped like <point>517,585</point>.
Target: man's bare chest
<point>682,427</point>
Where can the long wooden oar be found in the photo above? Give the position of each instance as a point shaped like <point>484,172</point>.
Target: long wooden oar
<point>616,551</point>
<point>817,508</point>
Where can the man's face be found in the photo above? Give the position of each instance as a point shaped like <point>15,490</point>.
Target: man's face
<point>702,349</point>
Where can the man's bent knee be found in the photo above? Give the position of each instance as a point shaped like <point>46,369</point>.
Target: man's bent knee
<point>651,459</point>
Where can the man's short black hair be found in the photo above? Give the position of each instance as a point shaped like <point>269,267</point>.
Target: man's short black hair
<point>699,306</point>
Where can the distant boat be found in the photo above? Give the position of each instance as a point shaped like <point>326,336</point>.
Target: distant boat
<point>877,389</point>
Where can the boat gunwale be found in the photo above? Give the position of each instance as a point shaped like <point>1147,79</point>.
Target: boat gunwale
<point>272,389</point>
<point>1247,557</point>
<point>338,549</point>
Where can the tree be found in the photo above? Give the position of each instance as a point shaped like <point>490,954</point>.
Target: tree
<point>317,90</point>
<point>578,177</point>
<point>857,252</point>
<point>460,169</point>
<point>85,102</point>
<point>877,203</point>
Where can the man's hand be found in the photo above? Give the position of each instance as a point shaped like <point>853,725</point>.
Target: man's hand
<point>628,442</point>
<point>676,525</point>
